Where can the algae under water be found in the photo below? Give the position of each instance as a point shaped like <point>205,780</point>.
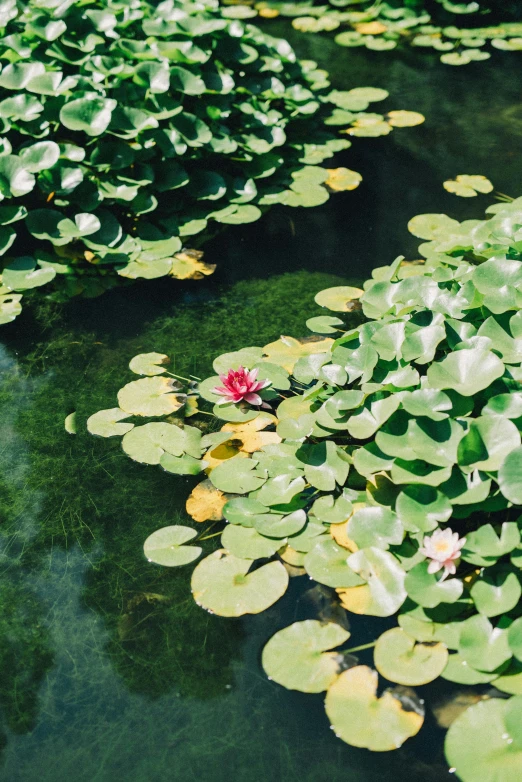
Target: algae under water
<point>108,668</point>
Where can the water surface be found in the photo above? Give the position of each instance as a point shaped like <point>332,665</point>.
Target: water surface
<point>109,670</point>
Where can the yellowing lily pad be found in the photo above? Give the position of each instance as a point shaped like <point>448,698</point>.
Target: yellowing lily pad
<point>148,364</point>
<point>206,503</point>
<point>105,423</point>
<point>400,659</point>
<point>187,265</point>
<point>339,299</point>
<point>250,434</point>
<point>165,546</point>
<point>342,179</point>
<point>405,119</point>
<point>297,657</point>
<point>467,186</point>
<point>370,28</point>
<point>287,350</point>
<point>384,592</point>
<point>222,584</point>
<point>362,719</point>
<point>150,396</point>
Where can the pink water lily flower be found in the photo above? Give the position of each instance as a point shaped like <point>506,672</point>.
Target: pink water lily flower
<point>241,385</point>
<point>443,548</point>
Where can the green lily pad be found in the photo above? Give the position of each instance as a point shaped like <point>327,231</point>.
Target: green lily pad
<point>326,563</point>
<point>483,646</point>
<point>484,742</point>
<point>148,364</point>
<point>496,591</point>
<point>360,718</point>
<point>375,526</point>
<point>466,371</point>
<point>247,543</point>
<point>22,274</point>
<point>70,423</point>
<point>166,546</point>
<point>338,299</point>
<point>458,670</point>
<point>298,656</point>
<point>237,476</point>
<point>222,585</point>
<point>243,511</point>
<point>427,590</point>
<point>510,476</point>
<point>105,423</point>
<point>485,546</point>
<point>275,525</point>
<point>400,659</point>
<point>384,591</point>
<point>150,396</point>
<point>147,443</point>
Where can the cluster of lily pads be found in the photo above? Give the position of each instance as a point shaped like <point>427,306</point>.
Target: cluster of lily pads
<point>381,26</point>
<point>382,457</point>
<point>128,127</point>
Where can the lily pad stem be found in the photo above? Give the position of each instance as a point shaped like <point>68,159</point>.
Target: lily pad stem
<point>359,648</point>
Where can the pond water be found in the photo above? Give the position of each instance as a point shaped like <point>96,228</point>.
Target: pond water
<point>109,671</point>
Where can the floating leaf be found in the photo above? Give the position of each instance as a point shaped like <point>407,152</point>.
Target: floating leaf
<point>148,364</point>
<point>150,396</point>
<point>147,443</point>
<point>427,589</point>
<point>466,185</point>
<point>248,543</point>
<point>405,119</point>
<point>485,743</point>
<point>384,592</point>
<point>70,423</point>
<point>327,564</point>
<point>222,584</point>
<point>287,350</point>
<point>342,179</point>
<point>237,476</point>
<point>297,657</point>
<point>339,299</point>
<point>362,719</point>
<point>166,546</point>
<point>400,659</point>
<point>206,503</point>
<point>105,423</point>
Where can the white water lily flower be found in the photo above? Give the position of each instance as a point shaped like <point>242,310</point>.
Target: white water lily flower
<point>443,548</point>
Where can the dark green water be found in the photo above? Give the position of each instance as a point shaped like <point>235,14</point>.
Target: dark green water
<point>109,671</point>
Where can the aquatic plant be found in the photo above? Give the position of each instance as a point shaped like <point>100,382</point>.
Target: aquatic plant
<point>461,31</point>
<point>401,430</point>
<point>131,128</point>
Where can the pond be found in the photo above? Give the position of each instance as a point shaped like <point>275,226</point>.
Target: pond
<point>108,668</point>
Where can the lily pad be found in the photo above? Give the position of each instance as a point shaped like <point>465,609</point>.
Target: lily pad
<point>148,443</point>
<point>150,396</point>
<point>248,543</point>
<point>166,546</point>
<point>237,476</point>
<point>148,364</point>
<point>223,585</point>
<point>485,743</point>
<point>327,564</point>
<point>339,299</point>
<point>384,592</point>
<point>362,719</point>
<point>206,503</point>
<point>400,659</point>
<point>467,186</point>
<point>105,423</point>
<point>298,656</point>
<point>405,119</point>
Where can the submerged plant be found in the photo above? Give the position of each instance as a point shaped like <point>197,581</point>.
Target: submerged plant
<point>389,470</point>
<point>130,127</point>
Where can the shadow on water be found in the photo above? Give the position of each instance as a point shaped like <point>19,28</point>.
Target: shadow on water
<point>109,670</point>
